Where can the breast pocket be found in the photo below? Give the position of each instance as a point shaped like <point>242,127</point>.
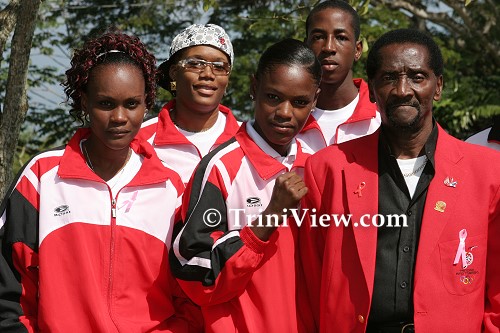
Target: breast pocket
<point>457,279</point>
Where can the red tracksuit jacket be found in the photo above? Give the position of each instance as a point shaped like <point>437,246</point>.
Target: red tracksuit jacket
<point>242,283</point>
<point>75,259</point>
<point>173,147</point>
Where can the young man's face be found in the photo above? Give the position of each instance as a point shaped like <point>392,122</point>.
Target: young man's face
<point>331,37</point>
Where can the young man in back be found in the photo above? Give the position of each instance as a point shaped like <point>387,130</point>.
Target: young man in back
<point>343,111</point>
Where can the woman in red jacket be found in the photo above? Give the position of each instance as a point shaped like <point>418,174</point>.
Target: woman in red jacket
<point>85,229</point>
<point>194,122</point>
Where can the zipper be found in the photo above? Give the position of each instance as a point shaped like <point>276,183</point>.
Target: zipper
<point>113,208</point>
<point>112,258</point>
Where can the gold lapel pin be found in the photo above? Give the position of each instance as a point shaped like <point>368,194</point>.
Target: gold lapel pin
<point>440,206</point>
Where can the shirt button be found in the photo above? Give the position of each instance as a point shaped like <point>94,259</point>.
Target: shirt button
<point>409,213</point>
<point>403,285</point>
<point>406,249</point>
<point>361,319</point>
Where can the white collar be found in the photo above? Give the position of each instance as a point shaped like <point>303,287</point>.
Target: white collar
<point>252,133</point>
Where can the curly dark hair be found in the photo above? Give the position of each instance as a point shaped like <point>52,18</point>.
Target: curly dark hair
<point>112,47</point>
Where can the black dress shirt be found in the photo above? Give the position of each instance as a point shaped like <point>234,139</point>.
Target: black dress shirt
<point>397,246</point>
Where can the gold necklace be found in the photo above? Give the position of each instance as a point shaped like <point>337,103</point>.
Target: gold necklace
<point>89,162</point>
<point>174,120</point>
<point>414,172</point>
<point>87,158</point>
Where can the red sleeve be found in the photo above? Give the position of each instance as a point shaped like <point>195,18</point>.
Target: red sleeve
<point>212,263</point>
<point>188,317</point>
<point>19,259</point>
<point>26,263</point>
<point>491,321</point>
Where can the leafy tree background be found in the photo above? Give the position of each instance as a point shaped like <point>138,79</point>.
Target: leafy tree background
<point>466,31</point>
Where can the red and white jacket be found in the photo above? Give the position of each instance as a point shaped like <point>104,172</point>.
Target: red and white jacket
<point>76,259</point>
<point>173,147</point>
<point>364,121</point>
<point>242,283</point>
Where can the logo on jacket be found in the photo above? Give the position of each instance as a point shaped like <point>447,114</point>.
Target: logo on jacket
<point>253,202</point>
<point>61,210</point>
<point>467,274</point>
<point>128,203</point>
<point>469,257</point>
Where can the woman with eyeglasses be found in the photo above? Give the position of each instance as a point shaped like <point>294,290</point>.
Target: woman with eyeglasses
<point>194,122</point>
<point>235,253</point>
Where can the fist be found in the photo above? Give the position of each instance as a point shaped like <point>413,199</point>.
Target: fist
<point>287,192</point>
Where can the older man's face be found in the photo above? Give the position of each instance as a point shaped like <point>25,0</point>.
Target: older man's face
<point>405,87</point>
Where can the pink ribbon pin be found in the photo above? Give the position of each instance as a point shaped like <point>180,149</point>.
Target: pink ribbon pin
<point>361,186</point>
<point>461,249</point>
<point>128,203</point>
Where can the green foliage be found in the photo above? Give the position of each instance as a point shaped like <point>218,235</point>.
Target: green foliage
<point>256,28</point>
<point>468,104</point>
<point>375,22</point>
<point>472,81</point>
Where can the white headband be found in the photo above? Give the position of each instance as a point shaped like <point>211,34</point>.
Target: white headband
<point>110,51</point>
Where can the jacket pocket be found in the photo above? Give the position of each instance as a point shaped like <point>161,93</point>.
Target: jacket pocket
<point>457,279</point>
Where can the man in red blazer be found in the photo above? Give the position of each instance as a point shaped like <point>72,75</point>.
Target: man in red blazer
<point>420,247</point>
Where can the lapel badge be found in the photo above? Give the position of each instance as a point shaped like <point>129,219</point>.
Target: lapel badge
<point>361,186</point>
<point>469,257</point>
<point>466,279</point>
<point>440,206</point>
<point>449,181</point>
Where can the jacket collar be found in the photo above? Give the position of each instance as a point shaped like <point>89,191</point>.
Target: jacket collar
<point>265,164</point>
<point>449,156</point>
<point>168,134</point>
<point>311,124</point>
<point>361,183</point>
<point>364,109</point>
<point>73,164</point>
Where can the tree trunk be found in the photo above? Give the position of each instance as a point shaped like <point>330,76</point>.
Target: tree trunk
<point>7,23</point>
<point>16,104</point>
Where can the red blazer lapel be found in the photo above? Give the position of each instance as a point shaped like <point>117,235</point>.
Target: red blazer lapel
<point>441,199</point>
<point>361,181</point>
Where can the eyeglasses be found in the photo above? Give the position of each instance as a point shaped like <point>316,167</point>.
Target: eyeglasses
<point>219,68</point>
